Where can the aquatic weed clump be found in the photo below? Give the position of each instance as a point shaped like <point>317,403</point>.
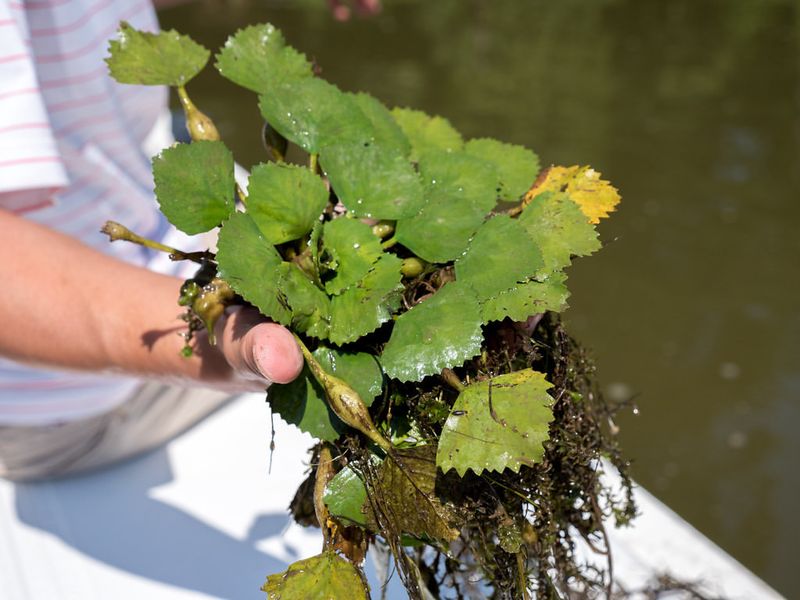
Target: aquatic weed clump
<point>519,526</point>
<point>457,429</point>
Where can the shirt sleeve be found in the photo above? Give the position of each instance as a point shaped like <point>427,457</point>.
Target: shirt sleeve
<point>31,168</point>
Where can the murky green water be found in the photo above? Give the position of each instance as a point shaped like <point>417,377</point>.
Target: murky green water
<point>693,109</point>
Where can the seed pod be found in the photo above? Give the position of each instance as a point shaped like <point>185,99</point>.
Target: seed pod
<point>200,125</point>
<point>115,231</point>
<point>345,401</point>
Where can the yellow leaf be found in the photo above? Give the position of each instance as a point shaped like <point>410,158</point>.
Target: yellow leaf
<point>595,196</point>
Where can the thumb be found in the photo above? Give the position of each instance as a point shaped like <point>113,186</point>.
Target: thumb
<point>270,351</point>
<point>258,349</point>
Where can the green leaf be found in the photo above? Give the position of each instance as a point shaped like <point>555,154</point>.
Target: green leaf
<point>313,114</point>
<point>249,263</point>
<point>459,191</point>
<point>302,403</point>
<point>258,58</point>
<point>351,249</point>
<point>487,266</point>
<point>427,133</point>
<point>363,307</point>
<point>559,228</point>
<point>285,201</point>
<point>345,496</point>
<point>408,499</point>
<point>360,370</point>
<point>385,129</point>
<point>526,299</point>
<point>372,180</point>
<point>441,331</point>
<point>497,424</point>
<point>516,166</point>
<point>165,58</point>
<point>309,305</point>
<point>195,185</point>
<point>326,576</point>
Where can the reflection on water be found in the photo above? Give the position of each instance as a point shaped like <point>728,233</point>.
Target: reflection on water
<point>693,110</point>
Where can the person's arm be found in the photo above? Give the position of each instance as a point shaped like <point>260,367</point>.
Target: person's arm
<point>66,305</point>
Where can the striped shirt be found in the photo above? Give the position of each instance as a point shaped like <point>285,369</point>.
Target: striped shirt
<point>72,155</point>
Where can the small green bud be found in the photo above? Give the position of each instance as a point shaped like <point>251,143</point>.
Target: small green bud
<point>189,291</point>
<point>115,231</point>
<point>210,304</point>
<point>383,229</point>
<point>413,267</point>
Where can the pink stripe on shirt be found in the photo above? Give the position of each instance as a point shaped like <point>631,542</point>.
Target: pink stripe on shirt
<point>80,22</point>
<point>47,202</point>
<point>77,102</point>
<point>28,160</point>
<point>19,126</point>
<point>84,123</point>
<point>93,43</point>
<point>12,57</point>
<point>20,92</point>
<point>74,79</point>
<point>38,4</point>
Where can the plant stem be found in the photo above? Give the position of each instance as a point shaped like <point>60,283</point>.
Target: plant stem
<point>527,499</point>
<point>451,379</point>
<point>515,210</point>
<point>242,196</point>
<point>115,232</point>
<point>389,243</point>
<point>313,162</point>
<point>522,576</point>
<point>325,473</point>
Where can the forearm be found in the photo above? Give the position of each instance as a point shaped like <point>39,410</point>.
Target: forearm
<point>66,305</point>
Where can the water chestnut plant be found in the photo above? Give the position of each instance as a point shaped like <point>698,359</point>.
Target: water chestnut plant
<point>458,430</point>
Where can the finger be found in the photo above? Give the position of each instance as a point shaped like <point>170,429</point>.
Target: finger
<point>257,349</point>
<point>270,350</point>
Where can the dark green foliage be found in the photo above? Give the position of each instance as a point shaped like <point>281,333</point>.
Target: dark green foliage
<point>285,201</point>
<point>195,185</point>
